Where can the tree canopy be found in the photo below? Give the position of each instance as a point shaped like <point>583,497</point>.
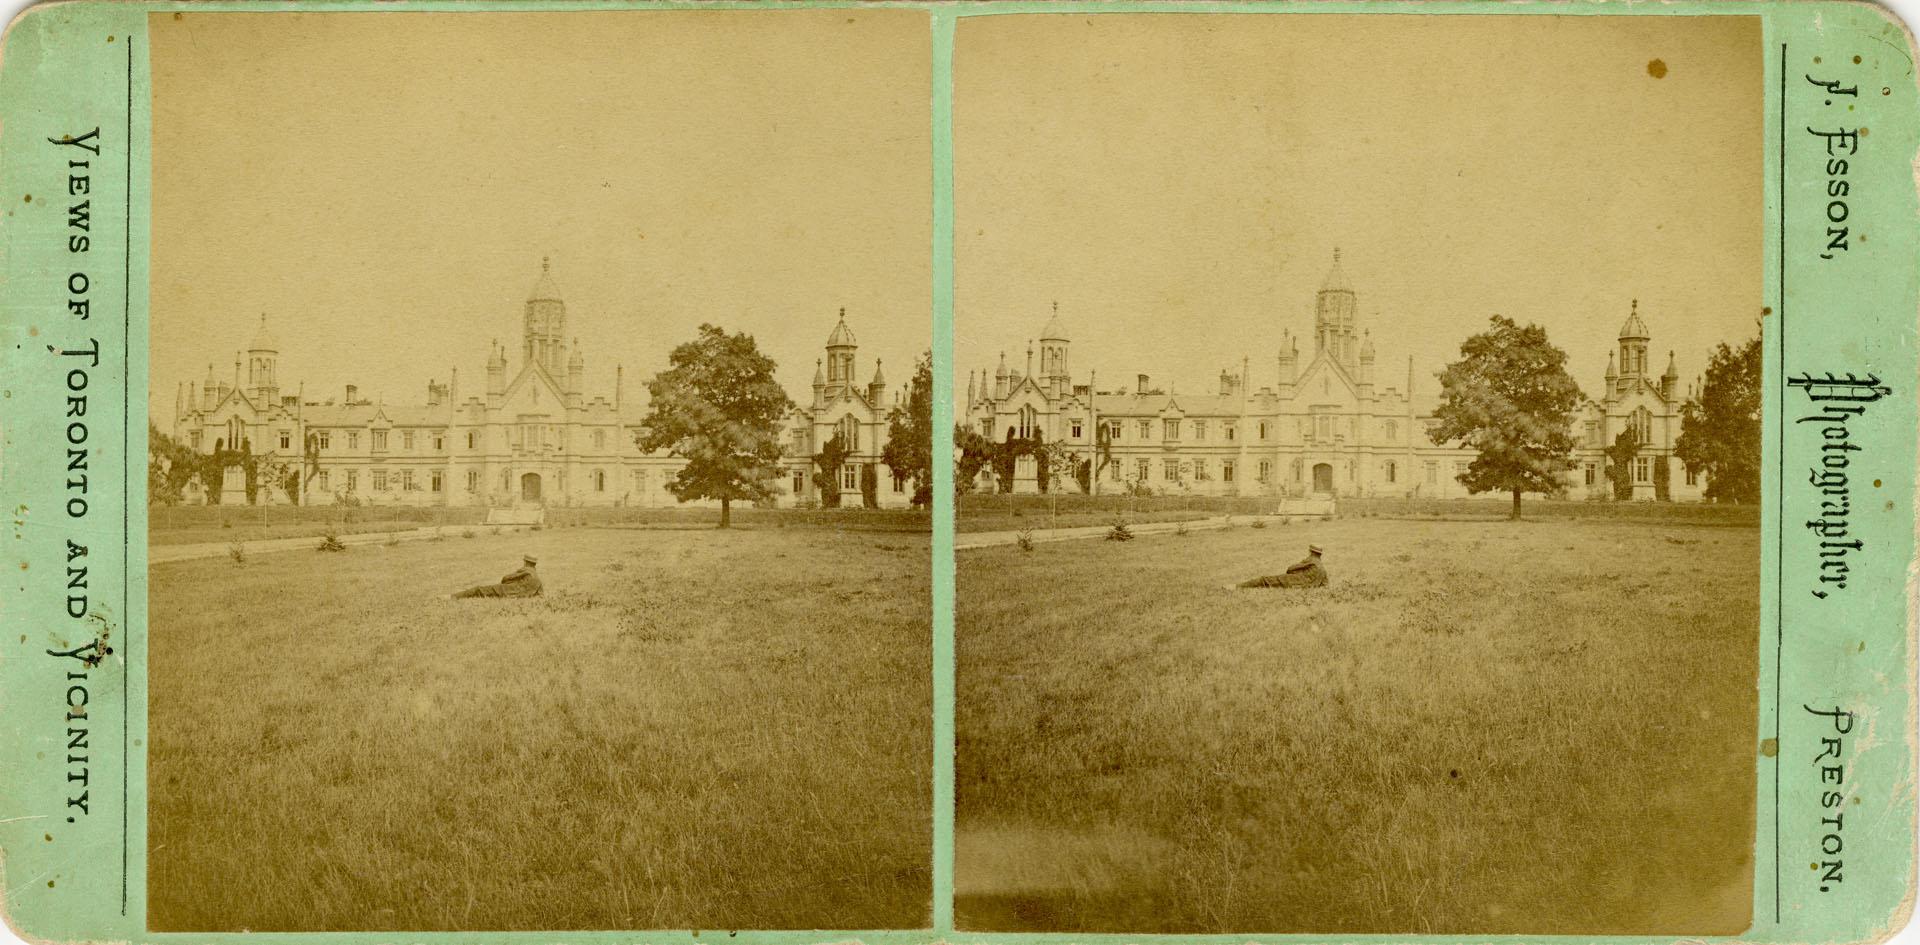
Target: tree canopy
<point>827,463</point>
<point>909,449</point>
<point>1510,399</point>
<point>719,408</point>
<point>1720,426</point>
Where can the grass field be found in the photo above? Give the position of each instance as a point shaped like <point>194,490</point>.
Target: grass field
<point>1480,727</point>
<point>187,525</point>
<point>693,729</point>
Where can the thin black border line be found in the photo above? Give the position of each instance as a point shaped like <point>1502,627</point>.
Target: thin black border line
<point>1780,456</point>
<point>126,493</point>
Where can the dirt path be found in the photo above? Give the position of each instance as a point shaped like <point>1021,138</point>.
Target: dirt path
<point>161,554</point>
<point>967,540</point>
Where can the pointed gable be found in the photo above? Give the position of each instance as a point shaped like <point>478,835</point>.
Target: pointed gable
<point>533,391</point>
<point>1325,382</point>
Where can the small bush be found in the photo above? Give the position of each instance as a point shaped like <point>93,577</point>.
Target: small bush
<point>1259,523</point>
<point>225,524</point>
<point>466,533</point>
<point>438,535</point>
<point>1025,539</point>
<point>1120,532</point>
<point>1180,529</point>
<point>330,542</point>
<point>238,552</point>
<point>393,538</point>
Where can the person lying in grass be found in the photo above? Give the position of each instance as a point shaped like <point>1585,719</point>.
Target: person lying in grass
<point>522,583</point>
<point>1307,572</point>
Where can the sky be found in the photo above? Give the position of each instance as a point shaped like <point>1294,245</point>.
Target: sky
<point>383,188</point>
<point>1178,184</point>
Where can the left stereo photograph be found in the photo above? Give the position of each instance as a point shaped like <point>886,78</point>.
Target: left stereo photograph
<point>539,426</point>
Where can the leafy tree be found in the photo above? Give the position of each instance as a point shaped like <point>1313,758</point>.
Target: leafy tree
<point>1720,430</point>
<point>1101,459</point>
<point>826,475</point>
<point>1006,458</point>
<point>1620,458</point>
<point>719,408</point>
<point>869,486</point>
<point>171,467</point>
<point>909,449</point>
<point>1510,399</point>
<point>974,452</point>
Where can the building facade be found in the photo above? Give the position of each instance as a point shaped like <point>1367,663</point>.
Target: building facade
<point>1329,423</point>
<point>530,435</point>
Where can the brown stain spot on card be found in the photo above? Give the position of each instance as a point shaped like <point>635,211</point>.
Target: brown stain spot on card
<point>1856,60</point>
<point>1770,747</point>
<point>1884,90</point>
<point>1816,59</point>
<point>1863,131</point>
<point>182,16</point>
<point>109,39</point>
<point>1657,69</point>
<point>1889,505</point>
<point>1767,310</point>
<point>1876,482</point>
<point>28,198</point>
<point>49,838</point>
<point>49,884</point>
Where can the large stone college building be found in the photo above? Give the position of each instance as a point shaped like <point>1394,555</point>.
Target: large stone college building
<point>531,434</point>
<point>1328,423</point>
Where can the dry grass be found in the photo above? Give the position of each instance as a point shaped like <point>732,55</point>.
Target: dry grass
<point>1481,727</point>
<point>705,730</point>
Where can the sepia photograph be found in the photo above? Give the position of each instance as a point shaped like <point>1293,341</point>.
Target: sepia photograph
<point>540,425</point>
<point>1358,441</point>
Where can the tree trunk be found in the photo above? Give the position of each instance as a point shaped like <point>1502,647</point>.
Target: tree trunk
<point>1516,506</point>
<point>726,513</point>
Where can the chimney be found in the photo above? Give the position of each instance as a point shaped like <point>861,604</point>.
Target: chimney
<point>1141,384</point>
<point>352,391</point>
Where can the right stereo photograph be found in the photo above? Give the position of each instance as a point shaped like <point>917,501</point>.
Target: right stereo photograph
<point>1358,451</point>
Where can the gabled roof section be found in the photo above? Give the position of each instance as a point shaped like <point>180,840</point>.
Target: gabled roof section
<point>1323,362</point>
<point>532,374</point>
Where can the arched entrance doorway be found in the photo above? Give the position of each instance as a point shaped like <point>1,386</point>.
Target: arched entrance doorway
<point>530,487</point>
<point>1323,477</point>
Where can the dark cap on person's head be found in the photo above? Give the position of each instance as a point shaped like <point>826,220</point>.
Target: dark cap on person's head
<point>1311,549</point>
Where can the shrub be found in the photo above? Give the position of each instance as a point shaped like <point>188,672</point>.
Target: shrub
<point>1259,523</point>
<point>1180,529</point>
<point>1025,539</point>
<point>393,538</point>
<point>466,533</point>
<point>238,552</point>
<point>1120,532</point>
<point>330,542</point>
